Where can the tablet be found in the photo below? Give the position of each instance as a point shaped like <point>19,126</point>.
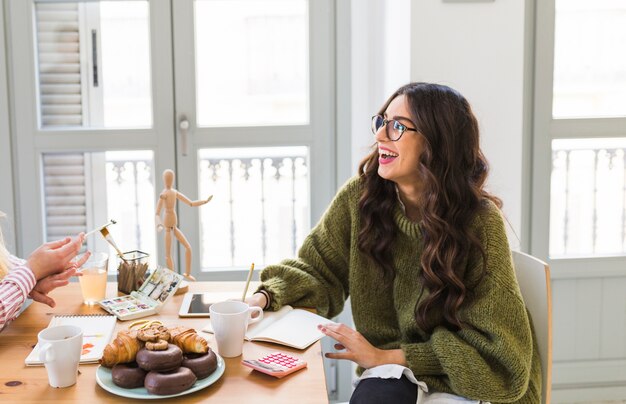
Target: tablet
<point>197,304</point>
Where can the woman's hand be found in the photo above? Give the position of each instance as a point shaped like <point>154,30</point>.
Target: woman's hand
<point>257,300</point>
<point>51,282</point>
<point>52,258</point>
<point>357,348</point>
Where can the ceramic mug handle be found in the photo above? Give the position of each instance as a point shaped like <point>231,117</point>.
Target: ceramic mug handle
<point>256,319</point>
<point>45,354</point>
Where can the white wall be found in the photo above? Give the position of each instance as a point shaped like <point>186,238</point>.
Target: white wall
<point>381,60</point>
<point>6,180</point>
<point>478,49</point>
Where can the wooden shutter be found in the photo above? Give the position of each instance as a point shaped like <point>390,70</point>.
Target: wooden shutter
<point>58,51</point>
<point>65,196</point>
<point>60,90</point>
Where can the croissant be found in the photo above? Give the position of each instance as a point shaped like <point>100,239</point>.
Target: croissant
<point>122,349</point>
<point>188,340</point>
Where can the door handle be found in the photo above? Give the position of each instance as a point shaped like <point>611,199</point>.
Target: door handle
<point>183,129</point>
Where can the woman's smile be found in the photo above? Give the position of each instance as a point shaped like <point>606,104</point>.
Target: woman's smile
<point>385,155</point>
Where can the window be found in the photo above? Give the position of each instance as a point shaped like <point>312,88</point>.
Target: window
<point>126,89</point>
<point>94,64</point>
<point>588,182</point>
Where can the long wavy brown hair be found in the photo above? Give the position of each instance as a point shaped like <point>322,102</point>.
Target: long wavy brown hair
<point>452,171</point>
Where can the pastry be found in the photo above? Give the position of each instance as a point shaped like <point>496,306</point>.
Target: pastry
<point>202,365</point>
<point>188,340</point>
<point>166,383</point>
<point>153,333</point>
<point>128,375</point>
<point>123,349</point>
<point>159,345</point>
<point>161,361</point>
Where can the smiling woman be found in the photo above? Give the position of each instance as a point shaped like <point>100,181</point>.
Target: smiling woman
<point>420,247</point>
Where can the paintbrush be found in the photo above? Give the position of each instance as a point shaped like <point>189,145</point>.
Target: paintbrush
<point>100,228</point>
<point>107,236</point>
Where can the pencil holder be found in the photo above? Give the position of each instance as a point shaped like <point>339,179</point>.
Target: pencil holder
<point>131,271</point>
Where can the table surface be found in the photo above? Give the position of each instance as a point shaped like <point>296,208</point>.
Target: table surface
<point>239,384</point>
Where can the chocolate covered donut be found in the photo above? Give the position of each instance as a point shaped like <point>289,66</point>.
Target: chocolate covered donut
<point>166,383</point>
<point>202,365</point>
<point>160,361</point>
<point>128,375</point>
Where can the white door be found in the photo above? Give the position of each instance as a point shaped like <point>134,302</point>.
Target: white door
<point>253,90</point>
<point>100,90</point>
<point>579,190</point>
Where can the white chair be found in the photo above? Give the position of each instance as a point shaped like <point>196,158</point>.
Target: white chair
<point>533,276</point>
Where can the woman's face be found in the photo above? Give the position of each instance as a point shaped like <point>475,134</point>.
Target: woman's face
<point>398,161</point>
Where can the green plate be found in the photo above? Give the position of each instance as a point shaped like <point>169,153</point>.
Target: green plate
<point>104,379</point>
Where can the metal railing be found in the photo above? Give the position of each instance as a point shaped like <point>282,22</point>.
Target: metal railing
<point>588,201</point>
<point>253,187</point>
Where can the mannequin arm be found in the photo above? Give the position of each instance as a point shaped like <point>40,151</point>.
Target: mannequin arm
<point>189,202</point>
<point>157,216</point>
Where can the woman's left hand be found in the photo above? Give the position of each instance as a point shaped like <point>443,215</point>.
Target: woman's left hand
<point>357,348</point>
<point>51,282</point>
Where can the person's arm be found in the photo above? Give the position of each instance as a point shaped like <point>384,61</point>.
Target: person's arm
<point>491,359</point>
<point>14,290</point>
<point>318,277</point>
<point>51,282</point>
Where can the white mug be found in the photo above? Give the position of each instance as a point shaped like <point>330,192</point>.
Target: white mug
<point>230,321</point>
<point>59,350</point>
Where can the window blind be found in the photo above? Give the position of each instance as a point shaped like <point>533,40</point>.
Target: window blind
<point>64,192</point>
<point>58,39</point>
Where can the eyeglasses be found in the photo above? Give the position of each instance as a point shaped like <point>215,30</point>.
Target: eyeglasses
<point>394,131</point>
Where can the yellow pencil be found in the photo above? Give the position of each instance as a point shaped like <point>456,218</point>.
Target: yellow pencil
<point>243,299</point>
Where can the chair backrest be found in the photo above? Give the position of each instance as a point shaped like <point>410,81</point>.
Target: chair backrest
<point>533,276</point>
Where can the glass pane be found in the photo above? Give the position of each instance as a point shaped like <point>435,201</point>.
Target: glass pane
<point>83,191</point>
<point>260,209</point>
<point>94,64</point>
<point>588,197</point>
<point>589,59</point>
<point>252,62</point>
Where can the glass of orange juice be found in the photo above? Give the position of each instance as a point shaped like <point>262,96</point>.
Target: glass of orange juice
<point>93,282</point>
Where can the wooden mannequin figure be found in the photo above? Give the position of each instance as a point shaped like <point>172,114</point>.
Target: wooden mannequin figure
<point>167,200</point>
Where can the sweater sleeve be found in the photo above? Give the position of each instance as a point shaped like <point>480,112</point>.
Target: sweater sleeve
<point>14,289</point>
<point>318,277</point>
<point>491,359</point>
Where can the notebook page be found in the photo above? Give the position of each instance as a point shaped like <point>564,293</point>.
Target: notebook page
<point>97,332</point>
<point>297,328</point>
<point>269,318</point>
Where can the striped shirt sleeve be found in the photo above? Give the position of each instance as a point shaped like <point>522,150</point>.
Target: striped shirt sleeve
<point>14,290</point>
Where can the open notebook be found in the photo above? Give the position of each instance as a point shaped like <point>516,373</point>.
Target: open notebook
<point>97,332</point>
<point>291,327</point>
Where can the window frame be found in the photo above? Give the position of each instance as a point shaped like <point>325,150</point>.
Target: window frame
<point>31,141</point>
<point>318,135</point>
<point>546,129</point>
<point>6,165</point>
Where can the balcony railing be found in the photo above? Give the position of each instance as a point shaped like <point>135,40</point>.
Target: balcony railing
<point>260,210</point>
<point>588,197</point>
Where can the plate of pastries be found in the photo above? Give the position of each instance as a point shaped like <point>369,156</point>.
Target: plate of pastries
<point>152,361</point>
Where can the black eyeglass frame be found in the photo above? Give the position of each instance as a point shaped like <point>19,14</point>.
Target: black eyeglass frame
<point>403,128</point>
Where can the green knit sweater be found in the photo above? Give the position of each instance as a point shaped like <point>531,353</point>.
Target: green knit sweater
<point>496,361</point>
